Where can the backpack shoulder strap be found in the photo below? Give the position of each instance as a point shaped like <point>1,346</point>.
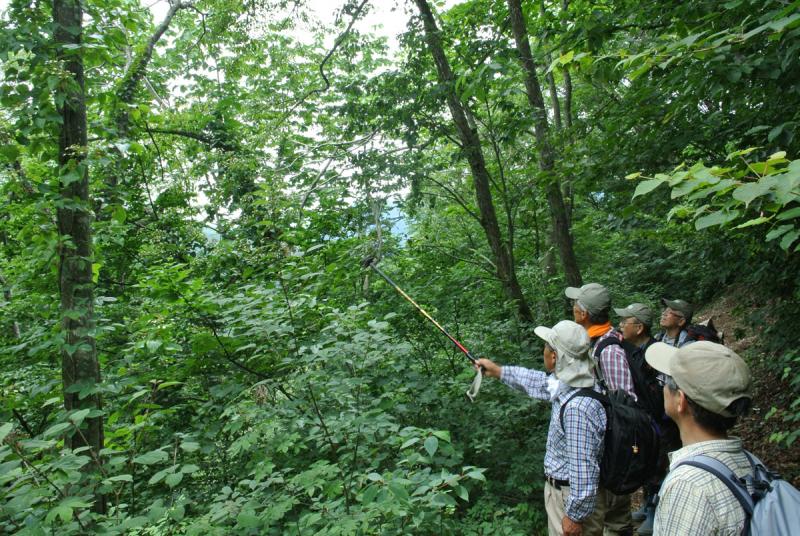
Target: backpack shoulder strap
<point>726,476</point>
<point>583,391</point>
<point>605,343</point>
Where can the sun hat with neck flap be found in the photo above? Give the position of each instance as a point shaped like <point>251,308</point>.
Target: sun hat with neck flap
<point>571,343</point>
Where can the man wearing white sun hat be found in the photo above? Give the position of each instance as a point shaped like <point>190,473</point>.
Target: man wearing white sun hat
<point>572,456</point>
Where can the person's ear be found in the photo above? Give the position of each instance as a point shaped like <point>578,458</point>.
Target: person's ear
<point>639,330</point>
<point>682,403</point>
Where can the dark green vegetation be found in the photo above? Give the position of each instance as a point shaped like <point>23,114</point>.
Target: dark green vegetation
<point>187,341</point>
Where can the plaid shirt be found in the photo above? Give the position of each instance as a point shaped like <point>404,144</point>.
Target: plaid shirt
<point>572,454</point>
<point>614,365</point>
<point>693,501</point>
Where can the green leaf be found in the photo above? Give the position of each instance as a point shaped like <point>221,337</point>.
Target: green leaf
<point>149,458</point>
<point>167,384</point>
<point>431,445</point>
<point>754,221</point>
<point>647,186</point>
<point>189,469</point>
<point>173,479</point>
<point>410,442</point>
<point>789,214</point>
<point>779,231</point>
<point>10,152</point>
<point>788,239</point>
<point>749,191</point>
<point>399,491</point>
<point>720,217</point>
<point>189,446</point>
<point>444,435</point>
<point>78,416</point>
<point>632,176</point>
<point>120,478</point>
<point>57,429</point>
<point>462,493</point>
<point>375,477</point>
<point>62,512</point>
<point>5,429</point>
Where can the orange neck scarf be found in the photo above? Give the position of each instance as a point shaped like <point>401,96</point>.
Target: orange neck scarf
<point>598,329</point>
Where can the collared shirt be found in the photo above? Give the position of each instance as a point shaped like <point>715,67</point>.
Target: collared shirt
<point>614,364</point>
<point>681,340</point>
<point>693,501</point>
<point>572,453</point>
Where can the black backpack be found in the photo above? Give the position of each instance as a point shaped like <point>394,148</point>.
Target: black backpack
<point>649,392</point>
<point>705,331</point>
<point>630,453</point>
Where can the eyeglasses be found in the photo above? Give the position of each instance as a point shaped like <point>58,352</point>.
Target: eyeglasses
<point>673,313</point>
<point>668,381</point>
<point>628,323</point>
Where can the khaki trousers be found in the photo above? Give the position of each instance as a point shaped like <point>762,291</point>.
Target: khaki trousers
<point>613,511</point>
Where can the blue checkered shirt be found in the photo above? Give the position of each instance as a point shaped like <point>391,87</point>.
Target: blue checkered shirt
<point>573,453</point>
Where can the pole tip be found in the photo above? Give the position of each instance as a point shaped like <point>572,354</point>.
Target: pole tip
<point>368,261</point>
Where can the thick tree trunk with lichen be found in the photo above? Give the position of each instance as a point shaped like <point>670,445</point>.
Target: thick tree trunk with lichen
<point>555,199</point>
<point>79,365</point>
<point>502,256</point>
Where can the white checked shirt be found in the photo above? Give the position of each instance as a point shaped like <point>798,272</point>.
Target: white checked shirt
<point>693,501</point>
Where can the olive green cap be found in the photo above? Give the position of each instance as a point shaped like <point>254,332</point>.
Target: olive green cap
<point>710,374</point>
<point>593,297</point>
<point>639,311</point>
<point>680,306</point>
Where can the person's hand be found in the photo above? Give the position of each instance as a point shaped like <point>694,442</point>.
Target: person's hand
<point>490,368</point>
<point>570,527</point>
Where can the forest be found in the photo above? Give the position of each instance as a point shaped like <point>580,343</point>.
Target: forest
<point>189,341</point>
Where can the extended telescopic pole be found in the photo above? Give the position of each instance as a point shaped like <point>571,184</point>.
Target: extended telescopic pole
<point>370,262</point>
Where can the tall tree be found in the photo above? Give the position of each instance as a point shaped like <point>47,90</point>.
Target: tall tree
<point>558,211</point>
<point>471,145</point>
<point>79,365</point>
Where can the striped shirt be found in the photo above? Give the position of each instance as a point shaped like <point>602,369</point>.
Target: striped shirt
<point>614,364</point>
<point>572,453</point>
<point>693,501</point>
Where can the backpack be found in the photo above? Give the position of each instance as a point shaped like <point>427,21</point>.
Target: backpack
<point>649,392</point>
<point>705,331</point>
<point>774,506</point>
<point>630,452</point>
<point>650,395</point>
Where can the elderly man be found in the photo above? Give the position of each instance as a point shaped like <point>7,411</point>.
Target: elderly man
<point>591,308</point>
<point>572,457</point>
<point>635,325</point>
<point>706,389</point>
<point>675,317</point>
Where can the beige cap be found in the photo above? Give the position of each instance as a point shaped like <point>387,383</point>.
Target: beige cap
<point>709,373</point>
<point>681,306</point>
<point>639,311</point>
<point>593,297</point>
<point>571,343</point>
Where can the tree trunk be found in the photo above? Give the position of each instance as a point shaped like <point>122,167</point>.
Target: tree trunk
<point>480,175</point>
<point>79,363</point>
<point>558,212</point>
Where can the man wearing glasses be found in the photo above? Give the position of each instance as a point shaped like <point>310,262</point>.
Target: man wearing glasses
<point>707,388</point>
<point>676,316</point>
<point>635,326</point>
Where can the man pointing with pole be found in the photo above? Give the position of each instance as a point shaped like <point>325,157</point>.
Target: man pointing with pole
<point>572,456</point>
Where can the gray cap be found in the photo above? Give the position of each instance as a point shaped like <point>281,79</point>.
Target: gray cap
<point>710,374</point>
<point>593,297</point>
<point>680,306</point>
<point>571,343</point>
<point>639,311</point>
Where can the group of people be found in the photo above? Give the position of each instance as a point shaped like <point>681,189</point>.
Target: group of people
<point>706,387</point>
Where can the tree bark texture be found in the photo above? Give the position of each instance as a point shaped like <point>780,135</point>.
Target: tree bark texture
<point>470,142</point>
<point>558,211</point>
<point>79,363</point>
